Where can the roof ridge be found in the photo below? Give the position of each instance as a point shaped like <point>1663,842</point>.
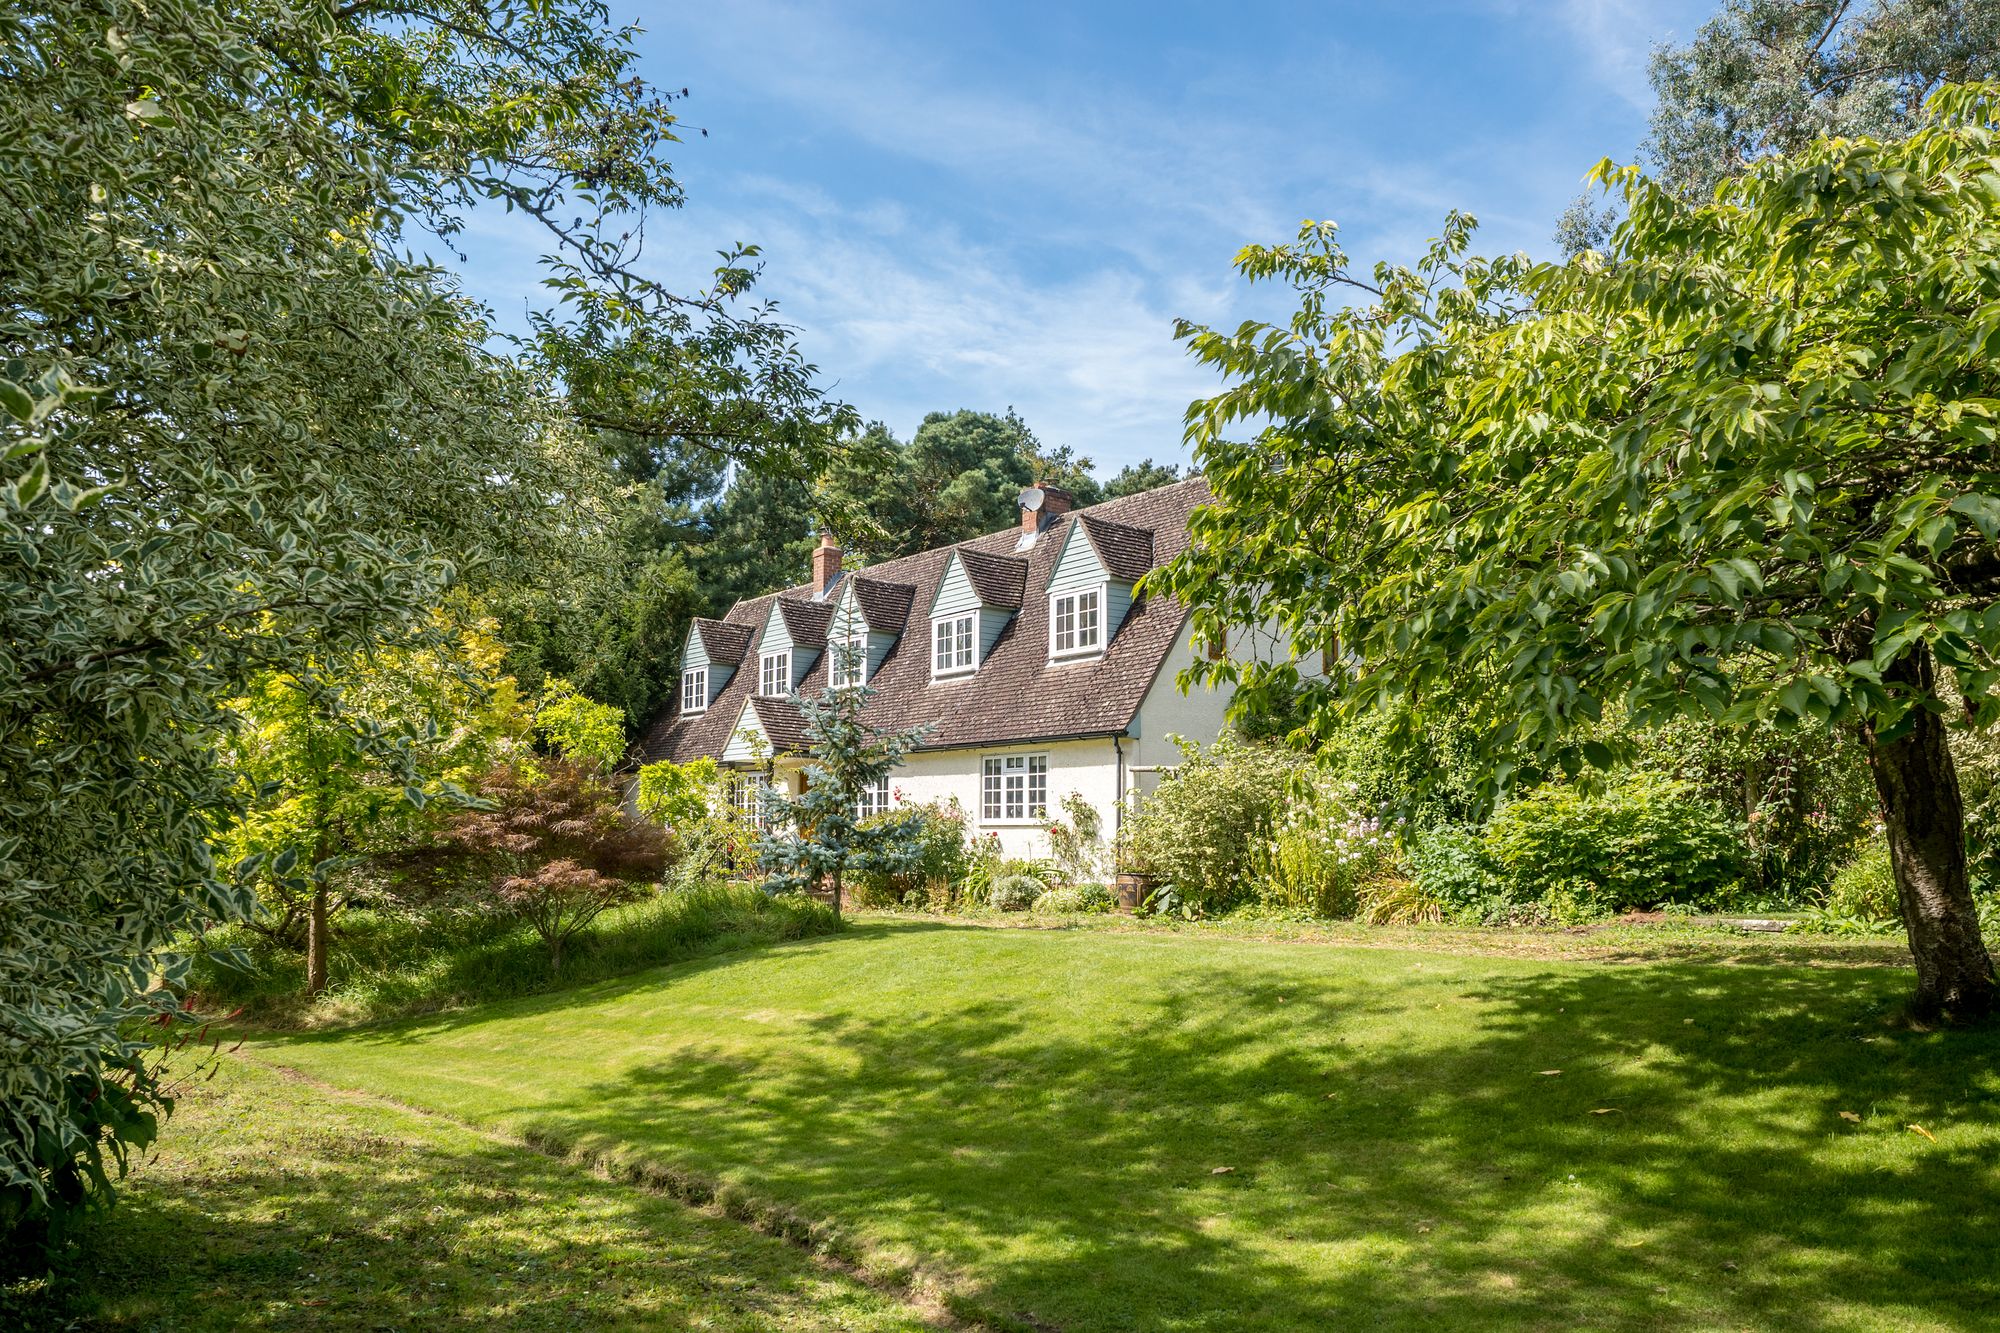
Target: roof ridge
<point>1011,533</point>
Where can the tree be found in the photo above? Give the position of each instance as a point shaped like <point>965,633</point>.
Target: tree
<point>557,846</point>
<point>1144,475</point>
<point>1741,467</point>
<point>691,802</point>
<point>245,430</point>
<point>1769,77</point>
<point>339,758</point>
<point>956,479</point>
<point>819,836</point>
<point>579,728</point>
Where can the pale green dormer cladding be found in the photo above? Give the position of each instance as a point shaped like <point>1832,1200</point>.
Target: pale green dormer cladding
<point>798,629</point>
<point>747,742</point>
<point>993,591</point>
<point>848,622</point>
<point>1078,569</point>
<point>713,654</point>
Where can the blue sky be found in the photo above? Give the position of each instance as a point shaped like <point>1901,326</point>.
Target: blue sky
<point>984,205</point>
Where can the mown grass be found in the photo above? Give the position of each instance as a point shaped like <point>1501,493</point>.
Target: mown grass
<point>386,965</point>
<point>1693,940</point>
<point>1110,1129</point>
<point>272,1205</point>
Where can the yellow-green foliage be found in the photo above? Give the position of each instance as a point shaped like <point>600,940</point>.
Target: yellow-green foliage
<point>580,727</point>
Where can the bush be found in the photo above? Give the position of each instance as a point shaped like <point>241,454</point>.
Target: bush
<point>1200,828</point>
<point>1425,769</point>
<point>1802,793</point>
<point>1449,863</point>
<point>391,963</point>
<point>1073,900</point>
<point>1864,890</point>
<point>692,803</point>
<point>940,860</point>
<point>1644,841</point>
<point>1321,854</point>
<point>1014,893</point>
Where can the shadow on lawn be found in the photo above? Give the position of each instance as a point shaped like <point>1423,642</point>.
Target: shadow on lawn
<point>269,1209</point>
<point>1422,1173</point>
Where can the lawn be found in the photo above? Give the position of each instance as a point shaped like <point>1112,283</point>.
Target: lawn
<point>275,1205</point>
<point>1102,1129</point>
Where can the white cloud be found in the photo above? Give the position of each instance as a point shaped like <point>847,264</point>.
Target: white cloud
<point>1089,361</point>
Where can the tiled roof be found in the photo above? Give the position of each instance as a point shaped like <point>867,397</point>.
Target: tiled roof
<point>1127,552</point>
<point>1017,695</point>
<point>884,606</point>
<point>1000,580</point>
<point>806,621</point>
<point>723,641</point>
<point>783,725</point>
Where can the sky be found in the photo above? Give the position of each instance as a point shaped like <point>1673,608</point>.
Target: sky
<point>1009,203</point>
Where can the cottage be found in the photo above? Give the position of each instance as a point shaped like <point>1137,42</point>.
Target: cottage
<point>1041,669</point>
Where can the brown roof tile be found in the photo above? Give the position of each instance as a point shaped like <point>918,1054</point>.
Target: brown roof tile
<point>723,641</point>
<point>784,726</point>
<point>806,621</point>
<point>885,607</point>
<point>1126,552</point>
<point>1000,580</point>
<point>1016,696</point>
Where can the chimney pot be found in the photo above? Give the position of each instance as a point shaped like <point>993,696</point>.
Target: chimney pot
<point>826,562</point>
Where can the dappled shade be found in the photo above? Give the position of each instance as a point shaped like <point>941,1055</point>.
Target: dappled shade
<point>1040,1121</point>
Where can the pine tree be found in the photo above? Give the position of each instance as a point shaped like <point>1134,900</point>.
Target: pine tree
<point>818,836</point>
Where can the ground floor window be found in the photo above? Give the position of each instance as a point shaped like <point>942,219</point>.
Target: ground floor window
<point>874,799</point>
<point>1014,786</point>
<point>747,795</point>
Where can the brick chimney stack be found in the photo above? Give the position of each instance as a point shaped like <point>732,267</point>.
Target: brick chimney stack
<point>826,562</point>
<point>1055,500</point>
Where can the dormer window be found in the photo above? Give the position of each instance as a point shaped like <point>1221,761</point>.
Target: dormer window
<point>775,674</point>
<point>1076,623</point>
<point>694,690</point>
<point>850,662</point>
<point>952,644</point>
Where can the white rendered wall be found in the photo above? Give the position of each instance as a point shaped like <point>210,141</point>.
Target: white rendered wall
<point>1089,768</point>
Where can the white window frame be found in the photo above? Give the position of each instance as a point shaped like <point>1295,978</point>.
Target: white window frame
<point>784,656</point>
<point>747,795</point>
<point>857,644</point>
<point>1007,788</point>
<point>1079,645</point>
<point>694,690</point>
<point>874,800</point>
<point>969,622</point>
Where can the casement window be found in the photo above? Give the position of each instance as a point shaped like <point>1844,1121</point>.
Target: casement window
<point>850,662</point>
<point>776,674</point>
<point>694,690</point>
<point>874,799</point>
<point>747,794</point>
<point>952,644</point>
<point>1076,623</point>
<point>1013,788</point>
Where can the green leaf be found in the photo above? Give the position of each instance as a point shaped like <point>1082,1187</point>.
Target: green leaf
<point>15,401</point>
<point>32,482</point>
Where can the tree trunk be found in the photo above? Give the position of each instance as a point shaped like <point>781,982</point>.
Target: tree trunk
<point>1925,818</point>
<point>836,891</point>
<point>316,943</point>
